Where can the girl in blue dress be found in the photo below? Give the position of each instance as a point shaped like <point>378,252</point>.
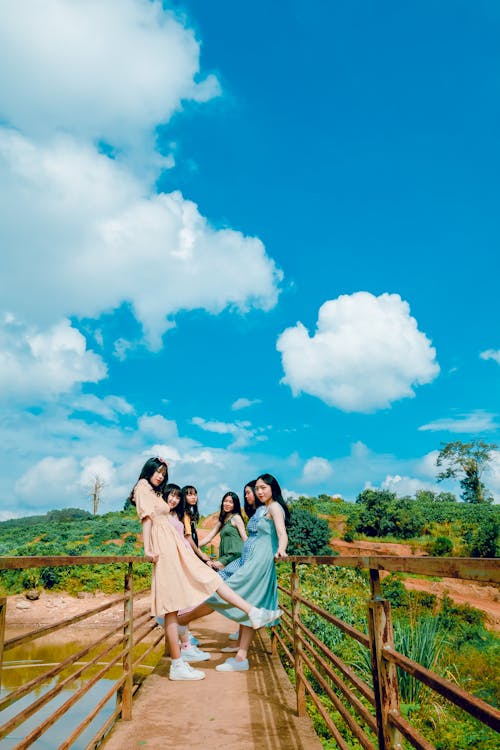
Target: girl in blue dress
<point>255,580</point>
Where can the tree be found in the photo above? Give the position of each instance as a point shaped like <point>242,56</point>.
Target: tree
<point>308,534</point>
<point>466,462</point>
<point>95,492</point>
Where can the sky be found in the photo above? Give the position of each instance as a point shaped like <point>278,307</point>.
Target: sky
<point>246,237</point>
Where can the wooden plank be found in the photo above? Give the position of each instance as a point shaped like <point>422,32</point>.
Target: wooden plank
<point>486,570</point>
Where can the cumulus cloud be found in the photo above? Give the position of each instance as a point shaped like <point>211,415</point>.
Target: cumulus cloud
<point>244,403</point>
<point>96,467</point>
<point>316,470</point>
<point>100,69</point>
<point>38,365</point>
<point>493,354</point>
<point>366,353</point>
<point>476,421</point>
<point>94,238</point>
<point>158,427</point>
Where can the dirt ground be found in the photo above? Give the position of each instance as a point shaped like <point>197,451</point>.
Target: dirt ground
<point>482,596</point>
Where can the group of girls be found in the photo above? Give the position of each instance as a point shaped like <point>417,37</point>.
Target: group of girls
<point>185,584</point>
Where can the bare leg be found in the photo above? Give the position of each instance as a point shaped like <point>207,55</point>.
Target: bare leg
<point>227,593</point>
<point>246,636</point>
<point>200,611</point>
<point>172,636</point>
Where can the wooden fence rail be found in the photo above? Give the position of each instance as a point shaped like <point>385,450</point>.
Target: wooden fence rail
<point>371,714</point>
<point>116,647</point>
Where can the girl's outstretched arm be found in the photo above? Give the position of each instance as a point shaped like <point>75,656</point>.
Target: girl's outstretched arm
<point>211,534</point>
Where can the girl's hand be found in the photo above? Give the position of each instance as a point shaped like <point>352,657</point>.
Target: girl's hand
<point>281,555</point>
<point>151,558</point>
<point>216,565</point>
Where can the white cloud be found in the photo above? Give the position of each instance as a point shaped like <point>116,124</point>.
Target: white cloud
<point>39,365</point>
<point>476,421</point>
<point>241,432</point>
<point>108,407</point>
<point>244,403</point>
<point>46,476</point>
<point>107,70</point>
<point>491,354</point>
<point>366,353</point>
<point>96,466</point>
<point>316,470</point>
<point>403,486</point>
<point>94,238</point>
<point>427,466</point>
<point>156,426</point>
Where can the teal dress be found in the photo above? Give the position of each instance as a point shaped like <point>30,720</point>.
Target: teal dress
<point>255,580</point>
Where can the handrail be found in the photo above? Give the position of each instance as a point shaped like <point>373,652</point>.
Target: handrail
<point>305,651</point>
<point>117,646</point>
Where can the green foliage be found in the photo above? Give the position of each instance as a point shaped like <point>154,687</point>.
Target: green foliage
<point>308,534</point>
<point>466,462</point>
<point>384,514</point>
<point>442,546</point>
<point>485,540</point>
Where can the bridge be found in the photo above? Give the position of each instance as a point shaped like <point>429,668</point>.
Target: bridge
<point>260,708</point>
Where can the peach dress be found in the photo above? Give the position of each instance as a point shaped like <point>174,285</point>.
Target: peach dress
<point>180,579</point>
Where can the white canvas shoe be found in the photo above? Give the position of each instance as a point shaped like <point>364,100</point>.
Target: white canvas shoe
<point>181,670</point>
<point>193,653</point>
<point>260,617</point>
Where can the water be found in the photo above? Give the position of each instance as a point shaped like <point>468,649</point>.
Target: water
<point>26,662</point>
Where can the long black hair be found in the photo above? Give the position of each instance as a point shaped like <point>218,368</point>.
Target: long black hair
<point>147,471</point>
<point>193,511</point>
<point>276,493</point>
<point>236,506</point>
<point>172,488</point>
<point>250,509</point>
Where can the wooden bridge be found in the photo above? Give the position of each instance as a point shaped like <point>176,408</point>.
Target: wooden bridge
<point>255,709</point>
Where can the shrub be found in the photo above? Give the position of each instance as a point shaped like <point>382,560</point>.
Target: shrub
<point>442,546</point>
<point>308,534</point>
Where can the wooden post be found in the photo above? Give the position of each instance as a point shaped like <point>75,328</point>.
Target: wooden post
<point>300,690</point>
<point>128,614</point>
<point>385,678</point>
<point>274,642</point>
<point>3,611</point>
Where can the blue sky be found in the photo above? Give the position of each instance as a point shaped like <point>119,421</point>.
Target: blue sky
<point>246,237</point>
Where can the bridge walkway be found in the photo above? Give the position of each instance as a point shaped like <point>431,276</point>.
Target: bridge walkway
<point>252,710</point>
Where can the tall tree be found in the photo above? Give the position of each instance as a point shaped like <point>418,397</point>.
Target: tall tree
<point>466,462</point>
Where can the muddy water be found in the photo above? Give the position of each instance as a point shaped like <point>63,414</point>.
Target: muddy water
<point>29,661</point>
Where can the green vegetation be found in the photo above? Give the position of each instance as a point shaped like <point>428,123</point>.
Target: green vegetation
<point>447,638</point>
<point>71,532</point>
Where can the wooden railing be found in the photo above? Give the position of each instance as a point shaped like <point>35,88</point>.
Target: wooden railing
<point>371,712</point>
<point>117,647</point>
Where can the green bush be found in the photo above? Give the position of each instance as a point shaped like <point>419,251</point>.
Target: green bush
<point>308,534</point>
<point>442,546</point>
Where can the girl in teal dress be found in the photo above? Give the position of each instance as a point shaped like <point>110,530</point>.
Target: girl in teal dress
<point>256,578</point>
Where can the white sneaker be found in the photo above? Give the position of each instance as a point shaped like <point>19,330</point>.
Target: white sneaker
<point>260,617</point>
<point>229,649</point>
<point>183,671</point>
<point>234,636</point>
<point>193,653</point>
